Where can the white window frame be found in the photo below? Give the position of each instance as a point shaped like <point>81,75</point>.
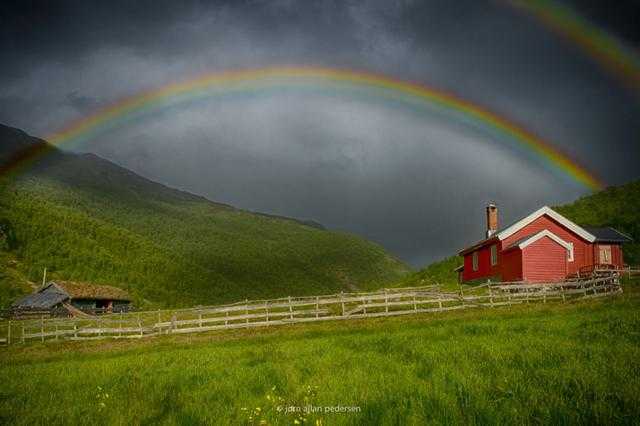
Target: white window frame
<point>570,253</point>
<point>474,260</point>
<point>494,254</point>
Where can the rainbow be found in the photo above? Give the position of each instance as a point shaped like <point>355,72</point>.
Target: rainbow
<point>604,48</point>
<point>343,83</point>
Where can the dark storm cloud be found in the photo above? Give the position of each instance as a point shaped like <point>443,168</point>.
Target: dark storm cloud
<point>414,183</point>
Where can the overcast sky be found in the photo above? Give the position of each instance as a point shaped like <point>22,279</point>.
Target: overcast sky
<point>414,182</point>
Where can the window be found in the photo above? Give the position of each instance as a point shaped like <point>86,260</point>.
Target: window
<point>570,253</point>
<point>605,255</point>
<point>494,255</point>
<point>475,260</point>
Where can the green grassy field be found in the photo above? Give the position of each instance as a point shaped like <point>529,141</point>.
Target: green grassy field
<point>560,363</point>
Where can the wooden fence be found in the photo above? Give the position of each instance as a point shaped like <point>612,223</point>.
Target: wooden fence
<point>265,313</point>
<point>630,271</point>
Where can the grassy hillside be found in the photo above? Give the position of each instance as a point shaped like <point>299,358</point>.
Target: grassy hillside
<point>13,283</point>
<point>85,218</point>
<point>440,273</point>
<point>573,363</point>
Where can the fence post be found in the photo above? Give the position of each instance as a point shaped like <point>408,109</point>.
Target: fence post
<point>23,334</point>
<point>56,331</point>
<point>317,307</point>
<point>200,318</point>
<point>342,300</point>
<point>173,322</point>
<point>386,301</point>
<point>415,305</point>
<point>246,310</point>
<point>140,326</point>
<point>562,292</point>
<point>226,319</point>
<point>75,330</point>
<point>9,333</point>
<point>42,327</point>
<point>544,295</point>
<point>491,296</point>
<point>290,309</point>
<point>266,308</point>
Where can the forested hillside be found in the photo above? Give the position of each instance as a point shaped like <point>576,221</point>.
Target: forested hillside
<point>87,219</point>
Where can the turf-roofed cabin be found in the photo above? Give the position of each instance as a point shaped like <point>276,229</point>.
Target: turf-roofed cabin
<point>72,296</point>
<point>542,247</point>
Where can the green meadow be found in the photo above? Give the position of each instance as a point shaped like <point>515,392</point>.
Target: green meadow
<point>570,363</point>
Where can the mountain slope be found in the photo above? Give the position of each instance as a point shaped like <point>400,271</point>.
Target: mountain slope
<point>85,218</point>
<point>616,206</point>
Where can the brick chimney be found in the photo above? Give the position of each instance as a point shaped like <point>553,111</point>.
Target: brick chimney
<point>492,219</point>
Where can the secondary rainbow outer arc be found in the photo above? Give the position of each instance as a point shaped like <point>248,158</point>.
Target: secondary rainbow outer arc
<point>604,48</point>
<point>231,80</point>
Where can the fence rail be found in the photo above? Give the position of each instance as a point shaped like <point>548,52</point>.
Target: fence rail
<point>290,310</point>
<point>631,271</point>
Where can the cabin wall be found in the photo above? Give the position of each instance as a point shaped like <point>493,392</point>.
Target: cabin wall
<point>512,265</point>
<point>485,269</point>
<point>543,261</point>
<point>583,253</point>
<point>84,303</point>
<point>617,258</point>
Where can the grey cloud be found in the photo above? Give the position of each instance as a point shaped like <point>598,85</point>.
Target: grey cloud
<point>415,182</point>
<point>357,167</point>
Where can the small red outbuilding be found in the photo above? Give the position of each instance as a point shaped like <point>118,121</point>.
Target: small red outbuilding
<point>544,246</point>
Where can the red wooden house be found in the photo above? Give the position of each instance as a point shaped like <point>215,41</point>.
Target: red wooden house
<point>544,246</point>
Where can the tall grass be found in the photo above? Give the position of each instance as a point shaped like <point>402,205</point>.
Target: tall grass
<point>559,363</point>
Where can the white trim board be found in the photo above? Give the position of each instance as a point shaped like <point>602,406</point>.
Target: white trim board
<point>545,210</point>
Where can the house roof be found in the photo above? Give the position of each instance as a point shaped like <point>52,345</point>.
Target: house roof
<point>41,300</point>
<point>56,292</point>
<point>608,235</point>
<point>78,290</point>
<point>518,225</point>
<point>545,210</point>
<point>479,244</point>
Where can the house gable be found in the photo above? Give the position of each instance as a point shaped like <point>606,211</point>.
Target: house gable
<point>522,223</point>
<point>542,234</point>
<point>544,259</point>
